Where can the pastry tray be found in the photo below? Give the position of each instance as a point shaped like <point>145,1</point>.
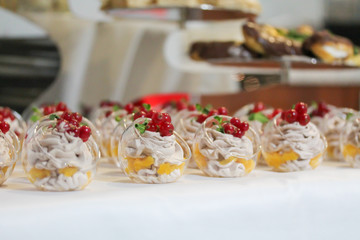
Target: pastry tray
<point>293,70</point>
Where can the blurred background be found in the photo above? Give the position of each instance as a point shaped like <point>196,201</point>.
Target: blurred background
<point>52,50</point>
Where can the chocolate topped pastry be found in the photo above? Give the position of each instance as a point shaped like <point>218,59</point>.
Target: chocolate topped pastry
<point>218,50</point>
<point>270,41</point>
<point>328,47</point>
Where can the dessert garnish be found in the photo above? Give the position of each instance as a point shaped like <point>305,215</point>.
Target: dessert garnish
<point>4,126</point>
<point>159,122</point>
<point>320,109</point>
<point>207,112</point>
<point>71,123</point>
<point>6,113</point>
<point>233,127</point>
<point>47,110</point>
<point>297,114</point>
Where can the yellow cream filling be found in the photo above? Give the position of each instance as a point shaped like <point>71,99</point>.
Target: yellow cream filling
<point>330,151</point>
<point>199,158</point>
<point>350,150</point>
<point>68,171</point>
<point>276,159</point>
<point>167,168</point>
<point>314,162</point>
<point>248,164</point>
<point>4,169</point>
<point>136,164</point>
<point>36,173</point>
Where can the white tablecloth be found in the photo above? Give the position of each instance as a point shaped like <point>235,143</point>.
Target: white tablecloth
<point>319,204</point>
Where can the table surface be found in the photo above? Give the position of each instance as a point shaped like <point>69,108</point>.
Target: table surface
<point>319,204</point>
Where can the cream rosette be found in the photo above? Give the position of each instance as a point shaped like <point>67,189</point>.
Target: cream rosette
<point>222,155</point>
<point>150,158</point>
<point>289,147</point>
<point>55,160</point>
<point>8,154</point>
<point>350,141</point>
<point>186,125</point>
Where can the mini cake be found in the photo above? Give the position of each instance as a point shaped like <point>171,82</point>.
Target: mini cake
<point>329,47</point>
<point>291,142</point>
<point>350,144</point>
<point>330,120</point>
<point>189,120</point>
<point>60,153</point>
<point>8,154</point>
<point>225,147</point>
<point>151,152</point>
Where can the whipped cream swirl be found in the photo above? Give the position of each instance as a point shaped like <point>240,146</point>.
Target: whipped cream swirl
<point>306,141</point>
<point>220,147</point>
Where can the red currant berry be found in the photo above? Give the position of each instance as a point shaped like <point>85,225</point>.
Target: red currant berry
<point>201,118</point>
<point>229,128</point>
<point>283,115</point>
<point>244,126</point>
<point>238,133</point>
<point>291,116</point>
<point>48,110</point>
<point>157,118</point>
<point>66,116</point>
<point>76,116</point>
<point>1,117</point>
<point>4,127</point>
<point>85,133</point>
<point>129,108</point>
<point>166,129</point>
<point>180,105</point>
<point>151,126</point>
<point>303,119</point>
<point>74,131</point>
<point>108,113</point>
<point>276,112</point>
<point>61,107</point>
<point>150,113</point>
<point>73,122</point>
<point>235,121</point>
<point>301,108</point>
<point>191,107</point>
<point>62,125</point>
<point>212,113</point>
<point>139,115</point>
<point>166,117</point>
<point>222,111</point>
<point>259,106</point>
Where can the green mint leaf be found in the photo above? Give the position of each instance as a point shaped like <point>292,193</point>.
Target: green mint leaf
<point>219,119</point>
<point>140,127</point>
<point>34,118</point>
<point>116,108</point>
<point>260,117</point>
<point>198,107</point>
<point>54,116</point>
<point>207,109</point>
<point>293,106</point>
<point>147,106</point>
<point>314,104</point>
<point>349,115</point>
<point>36,110</point>
<point>83,124</point>
<point>356,50</point>
<point>118,118</point>
<point>220,129</point>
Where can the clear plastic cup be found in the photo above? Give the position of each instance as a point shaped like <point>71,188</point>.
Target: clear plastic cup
<point>223,155</point>
<point>9,150</point>
<point>350,141</point>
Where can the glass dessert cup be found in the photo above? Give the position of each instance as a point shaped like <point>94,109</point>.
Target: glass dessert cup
<point>151,158</point>
<point>350,142</point>
<point>186,126</point>
<point>115,139</point>
<point>289,147</point>
<point>58,161</point>
<point>223,155</point>
<point>9,151</point>
<point>332,127</point>
<point>106,129</point>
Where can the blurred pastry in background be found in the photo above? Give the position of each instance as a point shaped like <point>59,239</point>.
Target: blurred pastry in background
<point>328,47</point>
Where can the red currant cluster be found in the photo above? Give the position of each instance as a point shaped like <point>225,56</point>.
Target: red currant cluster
<point>49,109</point>
<point>275,112</point>
<point>258,107</point>
<point>179,105</point>
<point>233,127</point>
<point>6,113</point>
<point>4,127</point>
<point>137,107</point>
<point>220,111</point>
<point>298,114</point>
<point>71,123</point>
<point>321,110</point>
<point>160,122</point>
